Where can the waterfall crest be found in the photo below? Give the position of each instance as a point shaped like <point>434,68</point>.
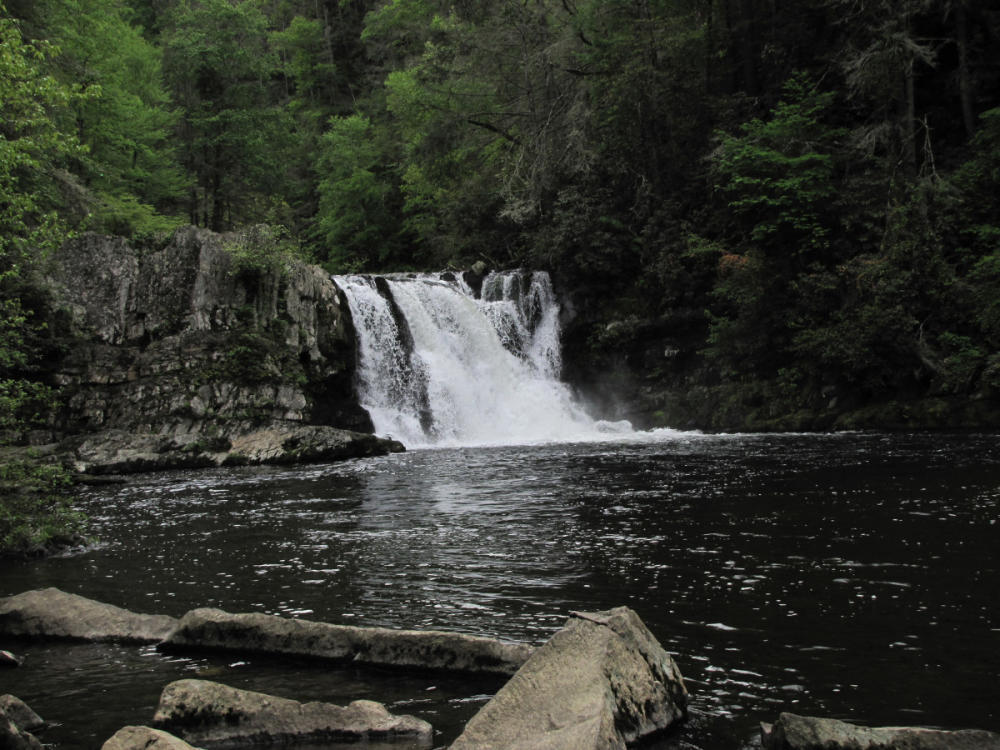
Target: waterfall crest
<point>440,367</point>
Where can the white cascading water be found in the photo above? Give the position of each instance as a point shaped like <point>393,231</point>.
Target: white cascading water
<point>447,369</point>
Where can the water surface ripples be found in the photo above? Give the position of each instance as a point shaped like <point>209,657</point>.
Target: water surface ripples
<point>849,575</point>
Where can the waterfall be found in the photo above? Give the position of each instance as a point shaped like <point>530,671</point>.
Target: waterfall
<point>440,366</point>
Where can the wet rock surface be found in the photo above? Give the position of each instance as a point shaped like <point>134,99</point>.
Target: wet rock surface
<point>793,732</point>
<point>51,613</point>
<point>144,738</point>
<point>14,737</point>
<point>601,682</point>
<point>123,452</point>
<point>209,714</point>
<point>422,649</point>
<point>20,713</point>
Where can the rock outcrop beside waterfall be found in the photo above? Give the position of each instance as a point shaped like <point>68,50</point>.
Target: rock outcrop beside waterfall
<point>184,352</point>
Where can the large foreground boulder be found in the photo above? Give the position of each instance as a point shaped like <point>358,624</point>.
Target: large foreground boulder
<point>793,732</point>
<point>209,715</point>
<point>601,682</point>
<point>144,738</point>
<point>427,649</point>
<point>20,713</point>
<point>13,737</point>
<point>51,613</point>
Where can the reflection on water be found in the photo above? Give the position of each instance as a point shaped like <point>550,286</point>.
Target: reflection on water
<point>843,575</point>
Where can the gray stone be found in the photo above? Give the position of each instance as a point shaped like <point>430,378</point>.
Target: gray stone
<point>288,443</point>
<point>428,649</point>
<point>209,714</point>
<point>793,732</point>
<point>51,613</point>
<point>601,682</point>
<point>8,660</point>
<point>123,452</point>
<point>144,738</point>
<point>12,737</point>
<point>20,713</point>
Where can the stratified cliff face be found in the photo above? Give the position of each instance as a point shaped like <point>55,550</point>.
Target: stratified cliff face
<point>177,341</point>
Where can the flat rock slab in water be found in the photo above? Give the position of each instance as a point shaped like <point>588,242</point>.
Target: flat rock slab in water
<point>211,715</point>
<point>792,732</point>
<point>51,613</point>
<point>601,682</point>
<point>424,649</point>
<point>282,442</point>
<point>144,738</point>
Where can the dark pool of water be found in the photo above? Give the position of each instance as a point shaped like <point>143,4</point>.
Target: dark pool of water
<point>853,575</point>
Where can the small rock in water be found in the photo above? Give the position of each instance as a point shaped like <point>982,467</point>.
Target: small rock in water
<point>8,660</point>
<point>620,426</point>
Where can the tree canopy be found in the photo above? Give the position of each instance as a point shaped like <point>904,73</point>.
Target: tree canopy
<point>811,185</point>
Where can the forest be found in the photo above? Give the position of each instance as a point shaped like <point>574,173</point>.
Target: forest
<point>805,194</point>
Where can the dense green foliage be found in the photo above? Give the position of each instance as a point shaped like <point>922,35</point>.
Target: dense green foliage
<point>34,511</point>
<point>810,188</point>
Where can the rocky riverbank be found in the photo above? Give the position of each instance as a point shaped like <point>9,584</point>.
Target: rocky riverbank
<point>602,682</point>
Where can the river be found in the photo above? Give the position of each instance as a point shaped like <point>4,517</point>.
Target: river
<point>844,575</point>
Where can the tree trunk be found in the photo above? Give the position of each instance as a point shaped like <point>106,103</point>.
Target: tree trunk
<point>709,43</point>
<point>910,122</point>
<point>748,47</point>
<point>964,77</point>
<point>215,190</point>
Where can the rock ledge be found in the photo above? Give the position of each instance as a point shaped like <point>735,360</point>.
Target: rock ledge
<point>51,613</point>
<point>211,715</point>
<point>793,732</point>
<point>425,649</point>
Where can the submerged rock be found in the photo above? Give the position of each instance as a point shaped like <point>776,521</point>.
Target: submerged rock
<point>20,713</point>
<point>8,660</point>
<point>601,682</point>
<point>209,714</point>
<point>429,649</point>
<point>51,613</point>
<point>144,738</point>
<point>13,737</point>
<point>793,732</point>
